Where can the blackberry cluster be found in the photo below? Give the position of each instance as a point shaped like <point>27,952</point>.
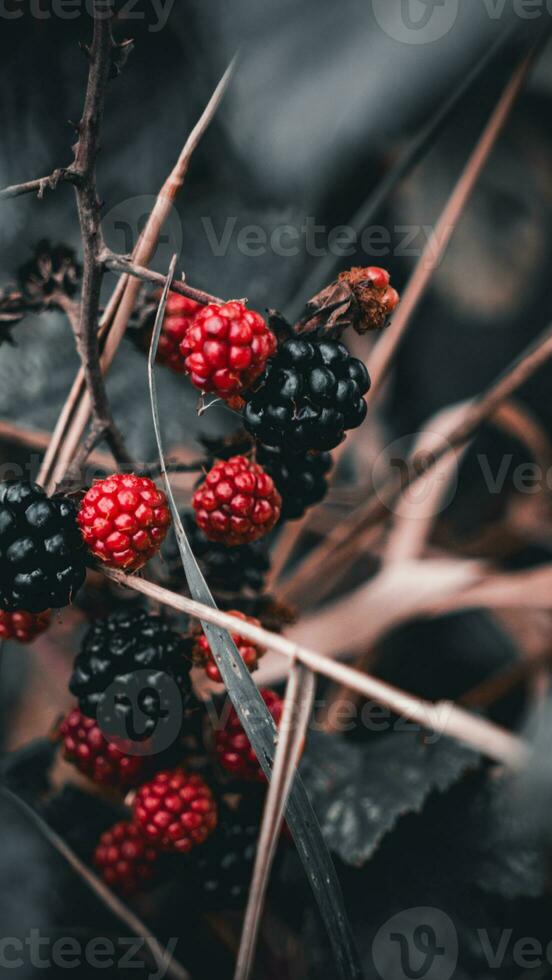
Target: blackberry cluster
<point>222,869</point>
<point>300,479</point>
<point>42,556</point>
<point>226,569</point>
<point>309,395</point>
<point>136,653</point>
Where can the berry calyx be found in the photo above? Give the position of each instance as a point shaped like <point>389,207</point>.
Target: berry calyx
<point>226,348</point>
<point>376,298</point>
<point>180,314</point>
<point>125,861</point>
<point>249,652</point>
<point>124,520</point>
<point>234,750</point>
<point>175,811</point>
<point>23,626</point>
<point>103,761</point>
<point>42,557</point>
<point>237,503</point>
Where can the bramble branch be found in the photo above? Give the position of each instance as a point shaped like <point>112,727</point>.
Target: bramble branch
<point>89,207</point>
<point>124,266</point>
<point>40,185</point>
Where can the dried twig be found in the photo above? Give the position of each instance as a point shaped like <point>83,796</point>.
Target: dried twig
<point>75,413</point>
<point>41,184</point>
<point>413,155</point>
<point>442,717</point>
<point>292,731</point>
<point>384,350</point>
<point>54,460</point>
<point>106,896</point>
<point>89,209</point>
<point>124,266</point>
<point>379,506</point>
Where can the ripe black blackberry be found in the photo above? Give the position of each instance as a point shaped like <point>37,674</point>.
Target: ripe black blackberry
<point>309,395</point>
<point>226,569</point>
<point>222,868</point>
<point>125,669</point>
<point>300,479</point>
<point>42,555</point>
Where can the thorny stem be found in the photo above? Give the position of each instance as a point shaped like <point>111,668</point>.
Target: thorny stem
<point>124,266</point>
<point>88,205</point>
<point>75,413</point>
<point>41,184</point>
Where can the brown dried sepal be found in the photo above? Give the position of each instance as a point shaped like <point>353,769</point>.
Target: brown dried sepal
<point>361,298</point>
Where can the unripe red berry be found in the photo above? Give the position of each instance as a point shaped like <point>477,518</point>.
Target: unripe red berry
<point>226,348</point>
<point>23,626</point>
<point>250,652</point>
<point>180,313</point>
<point>125,861</point>
<point>237,503</point>
<point>105,762</point>
<point>379,278</point>
<point>234,750</point>
<point>124,520</point>
<point>175,811</point>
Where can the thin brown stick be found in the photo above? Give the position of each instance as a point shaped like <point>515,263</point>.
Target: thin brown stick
<point>384,350</point>
<point>109,899</point>
<point>46,476</point>
<point>442,717</point>
<point>41,184</point>
<point>346,535</point>
<point>124,266</point>
<point>292,731</point>
<point>73,421</point>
